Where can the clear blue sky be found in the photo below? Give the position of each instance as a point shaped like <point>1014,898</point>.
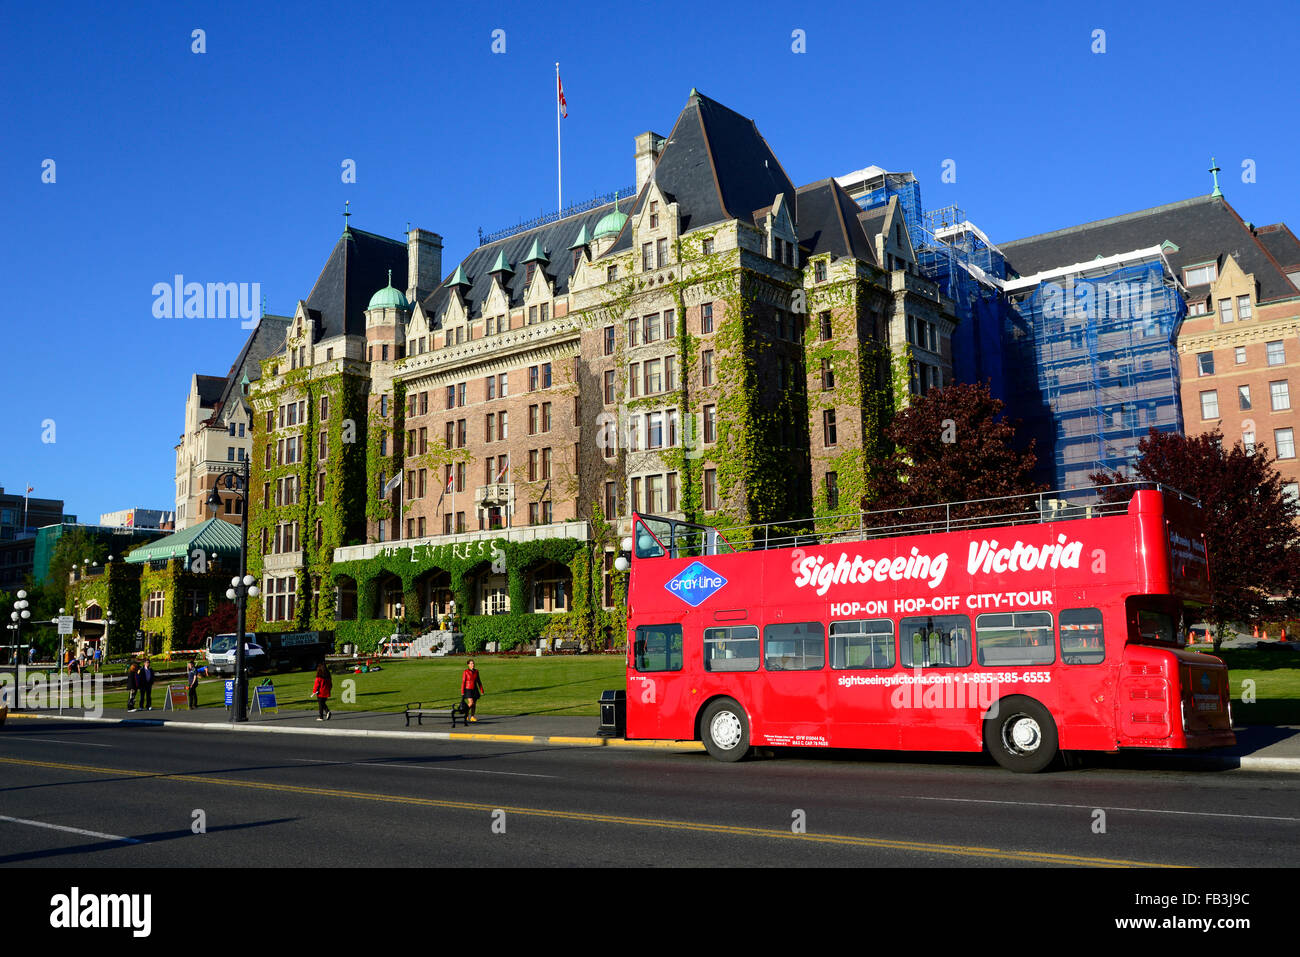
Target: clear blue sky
<point>225,166</point>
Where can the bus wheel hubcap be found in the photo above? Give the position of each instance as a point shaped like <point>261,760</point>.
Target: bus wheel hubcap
<point>1025,734</point>
<point>725,730</point>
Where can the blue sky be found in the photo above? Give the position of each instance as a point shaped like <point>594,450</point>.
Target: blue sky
<point>225,166</point>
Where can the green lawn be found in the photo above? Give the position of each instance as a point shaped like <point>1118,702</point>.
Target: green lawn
<point>558,685</point>
<point>1276,675</point>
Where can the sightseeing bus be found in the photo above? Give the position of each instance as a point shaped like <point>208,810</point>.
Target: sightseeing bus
<point>1024,626</point>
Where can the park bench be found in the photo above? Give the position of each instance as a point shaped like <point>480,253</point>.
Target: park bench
<point>420,712</point>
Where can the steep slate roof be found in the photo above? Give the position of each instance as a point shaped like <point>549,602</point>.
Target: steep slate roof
<point>554,238</point>
<point>356,269</point>
<point>829,223</point>
<point>210,387</point>
<point>1281,242</point>
<point>716,166</point>
<point>264,341</point>
<point>1204,229</point>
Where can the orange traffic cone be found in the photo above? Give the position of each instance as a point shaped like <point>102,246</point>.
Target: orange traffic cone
<point>1254,631</point>
<point>1284,632</point>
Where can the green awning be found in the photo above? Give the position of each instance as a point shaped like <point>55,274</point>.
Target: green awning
<point>216,535</point>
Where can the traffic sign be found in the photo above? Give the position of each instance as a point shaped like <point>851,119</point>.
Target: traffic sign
<point>65,624</point>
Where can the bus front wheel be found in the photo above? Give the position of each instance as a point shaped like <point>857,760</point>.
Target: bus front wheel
<point>725,730</point>
<point>1021,735</point>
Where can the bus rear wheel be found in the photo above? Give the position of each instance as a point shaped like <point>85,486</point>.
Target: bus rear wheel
<point>725,730</point>
<point>1021,735</point>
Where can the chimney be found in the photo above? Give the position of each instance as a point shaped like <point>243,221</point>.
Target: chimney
<point>648,147</point>
<point>423,263</point>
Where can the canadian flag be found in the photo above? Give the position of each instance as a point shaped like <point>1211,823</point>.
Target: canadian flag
<point>564,104</point>
<point>451,480</point>
<point>505,467</point>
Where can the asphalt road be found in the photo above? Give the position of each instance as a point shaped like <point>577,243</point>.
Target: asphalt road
<point>86,795</point>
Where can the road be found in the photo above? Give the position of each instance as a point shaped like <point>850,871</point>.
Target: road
<point>88,795</point>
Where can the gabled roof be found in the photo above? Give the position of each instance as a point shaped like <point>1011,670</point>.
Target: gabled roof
<point>477,266</point>
<point>357,266</point>
<point>214,535</point>
<point>829,223</point>
<point>716,166</point>
<point>266,340</point>
<point>209,388</point>
<point>1204,229</point>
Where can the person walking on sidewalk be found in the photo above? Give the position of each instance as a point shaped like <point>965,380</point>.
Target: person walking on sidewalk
<point>146,685</point>
<point>321,692</point>
<point>471,687</point>
<point>132,686</point>
<point>192,684</point>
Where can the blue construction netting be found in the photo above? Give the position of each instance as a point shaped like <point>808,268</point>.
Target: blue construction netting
<point>1094,366</point>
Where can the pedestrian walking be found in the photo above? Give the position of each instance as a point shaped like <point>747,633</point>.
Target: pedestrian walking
<point>146,685</point>
<point>132,686</point>
<point>99,655</point>
<point>192,684</point>
<point>321,692</point>
<point>471,687</point>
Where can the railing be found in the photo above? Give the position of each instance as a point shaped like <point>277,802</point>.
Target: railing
<point>1030,509</point>
<point>626,192</point>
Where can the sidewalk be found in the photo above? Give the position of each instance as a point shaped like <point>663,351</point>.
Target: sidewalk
<point>1258,747</point>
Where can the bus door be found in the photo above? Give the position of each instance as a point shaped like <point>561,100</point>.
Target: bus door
<point>937,703</point>
<point>654,685</point>
<point>862,682</point>
<point>792,705</point>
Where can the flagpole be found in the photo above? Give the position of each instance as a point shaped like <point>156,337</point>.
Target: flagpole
<point>559,191</point>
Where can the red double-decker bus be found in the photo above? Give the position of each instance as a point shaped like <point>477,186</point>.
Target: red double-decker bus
<point>1025,626</point>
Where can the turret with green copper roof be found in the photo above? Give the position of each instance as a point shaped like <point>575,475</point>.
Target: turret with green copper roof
<point>611,224</point>
<point>388,297</point>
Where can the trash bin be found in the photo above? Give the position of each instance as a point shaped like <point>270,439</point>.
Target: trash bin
<point>613,714</point>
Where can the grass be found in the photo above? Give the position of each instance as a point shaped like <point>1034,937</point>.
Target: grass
<point>558,685</point>
<point>1276,674</point>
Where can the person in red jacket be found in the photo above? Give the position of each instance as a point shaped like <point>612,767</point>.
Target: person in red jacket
<point>471,687</point>
<point>321,692</point>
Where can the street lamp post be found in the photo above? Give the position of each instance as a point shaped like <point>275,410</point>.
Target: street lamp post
<point>20,613</point>
<point>242,587</point>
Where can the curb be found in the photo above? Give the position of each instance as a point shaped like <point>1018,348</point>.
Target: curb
<point>550,740</point>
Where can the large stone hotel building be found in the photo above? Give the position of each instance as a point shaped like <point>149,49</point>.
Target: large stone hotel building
<point>720,346</point>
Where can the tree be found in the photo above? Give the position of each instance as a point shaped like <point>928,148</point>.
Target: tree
<point>1250,524</point>
<point>222,621</point>
<point>952,445</point>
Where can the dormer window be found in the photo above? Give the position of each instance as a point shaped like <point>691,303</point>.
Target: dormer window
<point>611,273</point>
<point>819,271</point>
<point>528,274</point>
<point>654,215</point>
<point>1200,275</point>
<point>577,259</point>
<point>776,248</point>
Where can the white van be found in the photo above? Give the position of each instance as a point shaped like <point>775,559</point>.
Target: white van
<point>221,654</point>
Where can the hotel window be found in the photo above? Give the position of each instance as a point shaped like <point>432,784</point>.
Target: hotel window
<point>611,273</point>
<point>1209,405</point>
<point>819,271</point>
<point>832,490</point>
<point>450,441</point>
<point>460,433</point>
<point>706,367</point>
<point>546,463</point>
<point>384,352</point>
<point>609,386</point>
<point>460,476</point>
<point>647,256</point>
<point>661,252</point>
<point>461,390</point>
<point>546,416</point>
<point>654,380</point>
<point>635,499</point>
<point>502,426</point>
<point>710,424</point>
<point>532,420</point>
<point>634,380</point>
<point>577,259</point>
<point>491,427</point>
<point>670,323</point>
<point>1197,308</point>
<point>451,397</point>
<point>670,502</point>
<point>532,312</point>
<point>532,378</point>
<point>706,318</point>
<point>670,373</point>
<point>654,423</point>
<point>1284,440</point>
<point>532,465</point>
<point>1240,355</point>
<point>1225,311</point>
<point>491,387</point>
<point>1205,363</point>
<point>1243,398</point>
<point>1243,307</point>
<point>707,246</point>
<point>634,332</point>
<point>829,436</point>
<point>324,407</point>
<point>1277,353</point>
<point>1248,441</point>
<point>1200,275</point>
<point>670,418</point>
<point>654,502</point>
<point>654,214</point>
<point>611,501</point>
<point>528,280</point>
<point>1280,394</point>
<point>710,489</point>
<point>652,328</point>
<point>828,375</point>
<point>825,319</point>
<point>502,385</point>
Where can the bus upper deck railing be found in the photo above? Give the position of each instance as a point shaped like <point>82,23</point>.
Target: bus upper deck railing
<point>682,539</point>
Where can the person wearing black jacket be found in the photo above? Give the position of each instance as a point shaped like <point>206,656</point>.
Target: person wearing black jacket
<point>146,685</point>
<point>132,686</point>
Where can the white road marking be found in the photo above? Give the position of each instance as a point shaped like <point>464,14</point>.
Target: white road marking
<point>72,830</point>
<point>423,767</point>
<point>84,744</point>
<point>1089,807</point>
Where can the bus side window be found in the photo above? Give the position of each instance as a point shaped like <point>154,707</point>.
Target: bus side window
<point>1007,639</point>
<point>862,645</point>
<point>731,649</point>
<point>658,648</point>
<point>1082,639</point>
<point>935,641</point>
<point>799,646</point>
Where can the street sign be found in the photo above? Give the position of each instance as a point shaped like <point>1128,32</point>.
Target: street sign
<point>177,698</point>
<point>264,699</point>
<point>65,624</point>
<point>230,692</point>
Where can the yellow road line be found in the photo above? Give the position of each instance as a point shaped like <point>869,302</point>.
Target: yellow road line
<point>960,850</point>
